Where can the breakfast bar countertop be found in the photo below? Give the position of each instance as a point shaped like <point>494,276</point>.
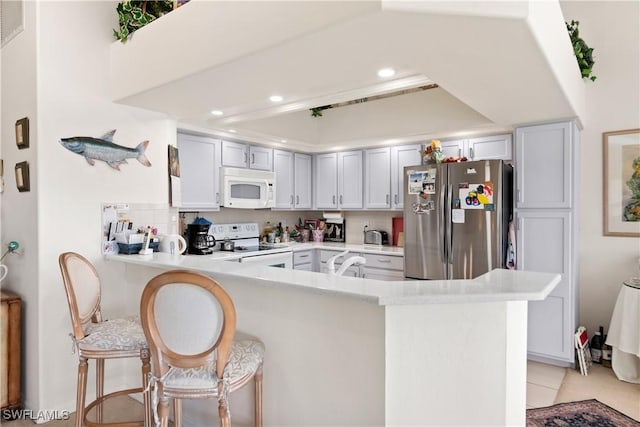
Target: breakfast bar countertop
<point>496,285</point>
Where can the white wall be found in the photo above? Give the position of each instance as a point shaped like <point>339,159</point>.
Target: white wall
<point>62,212</point>
<point>613,103</point>
<point>19,210</point>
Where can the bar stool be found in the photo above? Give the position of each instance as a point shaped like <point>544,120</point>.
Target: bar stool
<point>189,321</point>
<point>95,338</point>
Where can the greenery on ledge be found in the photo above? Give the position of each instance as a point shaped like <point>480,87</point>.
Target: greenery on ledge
<point>135,14</point>
<point>584,53</point>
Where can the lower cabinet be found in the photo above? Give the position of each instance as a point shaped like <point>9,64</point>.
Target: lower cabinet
<point>545,244</point>
<point>378,267</point>
<point>304,260</point>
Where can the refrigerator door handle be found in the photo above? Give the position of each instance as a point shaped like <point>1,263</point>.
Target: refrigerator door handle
<point>449,226</point>
<point>441,221</point>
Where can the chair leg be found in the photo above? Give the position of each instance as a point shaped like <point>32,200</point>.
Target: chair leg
<point>163,411</point>
<point>223,409</point>
<point>258,397</point>
<point>146,368</point>
<point>177,412</point>
<point>99,387</point>
<point>81,390</point>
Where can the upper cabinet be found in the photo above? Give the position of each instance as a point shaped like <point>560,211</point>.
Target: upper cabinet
<point>544,166</point>
<point>401,157</point>
<point>377,190</point>
<point>483,148</point>
<point>338,180</point>
<point>199,158</point>
<point>241,155</point>
<point>293,179</point>
<point>384,175</point>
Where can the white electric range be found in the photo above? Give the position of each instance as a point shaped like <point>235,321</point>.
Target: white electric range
<point>246,237</point>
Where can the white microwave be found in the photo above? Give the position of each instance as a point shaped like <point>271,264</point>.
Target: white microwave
<point>247,188</point>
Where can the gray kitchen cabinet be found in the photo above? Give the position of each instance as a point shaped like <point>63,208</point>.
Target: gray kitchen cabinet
<point>338,180</point>
<point>303,260</point>
<point>490,147</point>
<point>283,168</point>
<point>377,188</point>
<point>326,181</point>
<point>302,181</point>
<point>546,172</point>
<point>402,156</point>
<point>545,244</point>
<point>199,158</point>
<point>241,155</point>
<point>293,179</point>
<point>383,267</point>
<point>481,148</point>
<point>350,180</point>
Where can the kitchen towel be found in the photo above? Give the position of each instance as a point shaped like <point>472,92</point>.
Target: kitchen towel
<point>511,248</point>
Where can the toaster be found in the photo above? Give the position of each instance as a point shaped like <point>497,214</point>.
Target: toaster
<point>376,237</point>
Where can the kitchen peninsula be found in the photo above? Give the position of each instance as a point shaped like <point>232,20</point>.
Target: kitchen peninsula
<point>354,351</point>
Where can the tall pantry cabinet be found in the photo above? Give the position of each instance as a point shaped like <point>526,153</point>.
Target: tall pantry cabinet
<point>547,160</point>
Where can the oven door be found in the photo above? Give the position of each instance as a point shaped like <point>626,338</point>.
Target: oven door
<point>282,259</point>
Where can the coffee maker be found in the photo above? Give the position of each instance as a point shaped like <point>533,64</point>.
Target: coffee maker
<point>199,241</point>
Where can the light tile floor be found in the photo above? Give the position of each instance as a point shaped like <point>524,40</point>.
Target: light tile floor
<point>547,384</point>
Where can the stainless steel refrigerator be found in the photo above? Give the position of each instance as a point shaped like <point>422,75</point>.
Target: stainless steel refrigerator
<point>456,218</point>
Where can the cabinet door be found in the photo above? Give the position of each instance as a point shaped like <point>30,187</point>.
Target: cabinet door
<point>199,172</point>
<point>401,156</point>
<point>544,166</point>
<point>283,168</point>
<point>260,158</point>
<point>303,267</point>
<point>453,148</point>
<point>377,187</point>
<point>234,154</point>
<point>302,185</point>
<point>350,180</point>
<point>490,147</point>
<point>382,274</point>
<point>326,181</point>
<point>544,243</point>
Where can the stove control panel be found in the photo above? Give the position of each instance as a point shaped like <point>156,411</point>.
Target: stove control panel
<point>235,231</point>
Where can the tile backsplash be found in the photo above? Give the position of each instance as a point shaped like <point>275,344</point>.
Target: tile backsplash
<point>355,220</point>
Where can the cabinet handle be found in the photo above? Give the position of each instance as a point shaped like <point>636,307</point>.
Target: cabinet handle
<point>297,200</point>
<point>292,199</point>
<point>333,199</point>
<point>341,199</point>
<point>395,199</point>
<point>384,260</point>
<point>471,152</point>
<point>217,197</point>
<point>303,256</point>
<point>253,159</point>
<point>387,199</point>
<point>518,195</point>
<point>245,157</point>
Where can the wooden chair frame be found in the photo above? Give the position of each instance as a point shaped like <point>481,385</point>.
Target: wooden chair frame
<point>162,356</point>
<point>94,315</point>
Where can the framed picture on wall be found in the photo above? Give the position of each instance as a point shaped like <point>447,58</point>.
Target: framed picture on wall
<point>22,133</point>
<point>22,176</point>
<point>621,183</point>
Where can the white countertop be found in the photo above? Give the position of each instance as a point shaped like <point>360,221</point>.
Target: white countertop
<point>497,285</point>
<point>339,247</point>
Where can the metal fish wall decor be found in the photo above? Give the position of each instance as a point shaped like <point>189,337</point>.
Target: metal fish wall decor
<point>105,150</point>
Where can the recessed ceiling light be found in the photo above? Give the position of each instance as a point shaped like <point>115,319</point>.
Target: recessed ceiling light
<point>283,140</point>
<point>275,98</point>
<point>217,113</point>
<point>232,130</point>
<point>386,72</point>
